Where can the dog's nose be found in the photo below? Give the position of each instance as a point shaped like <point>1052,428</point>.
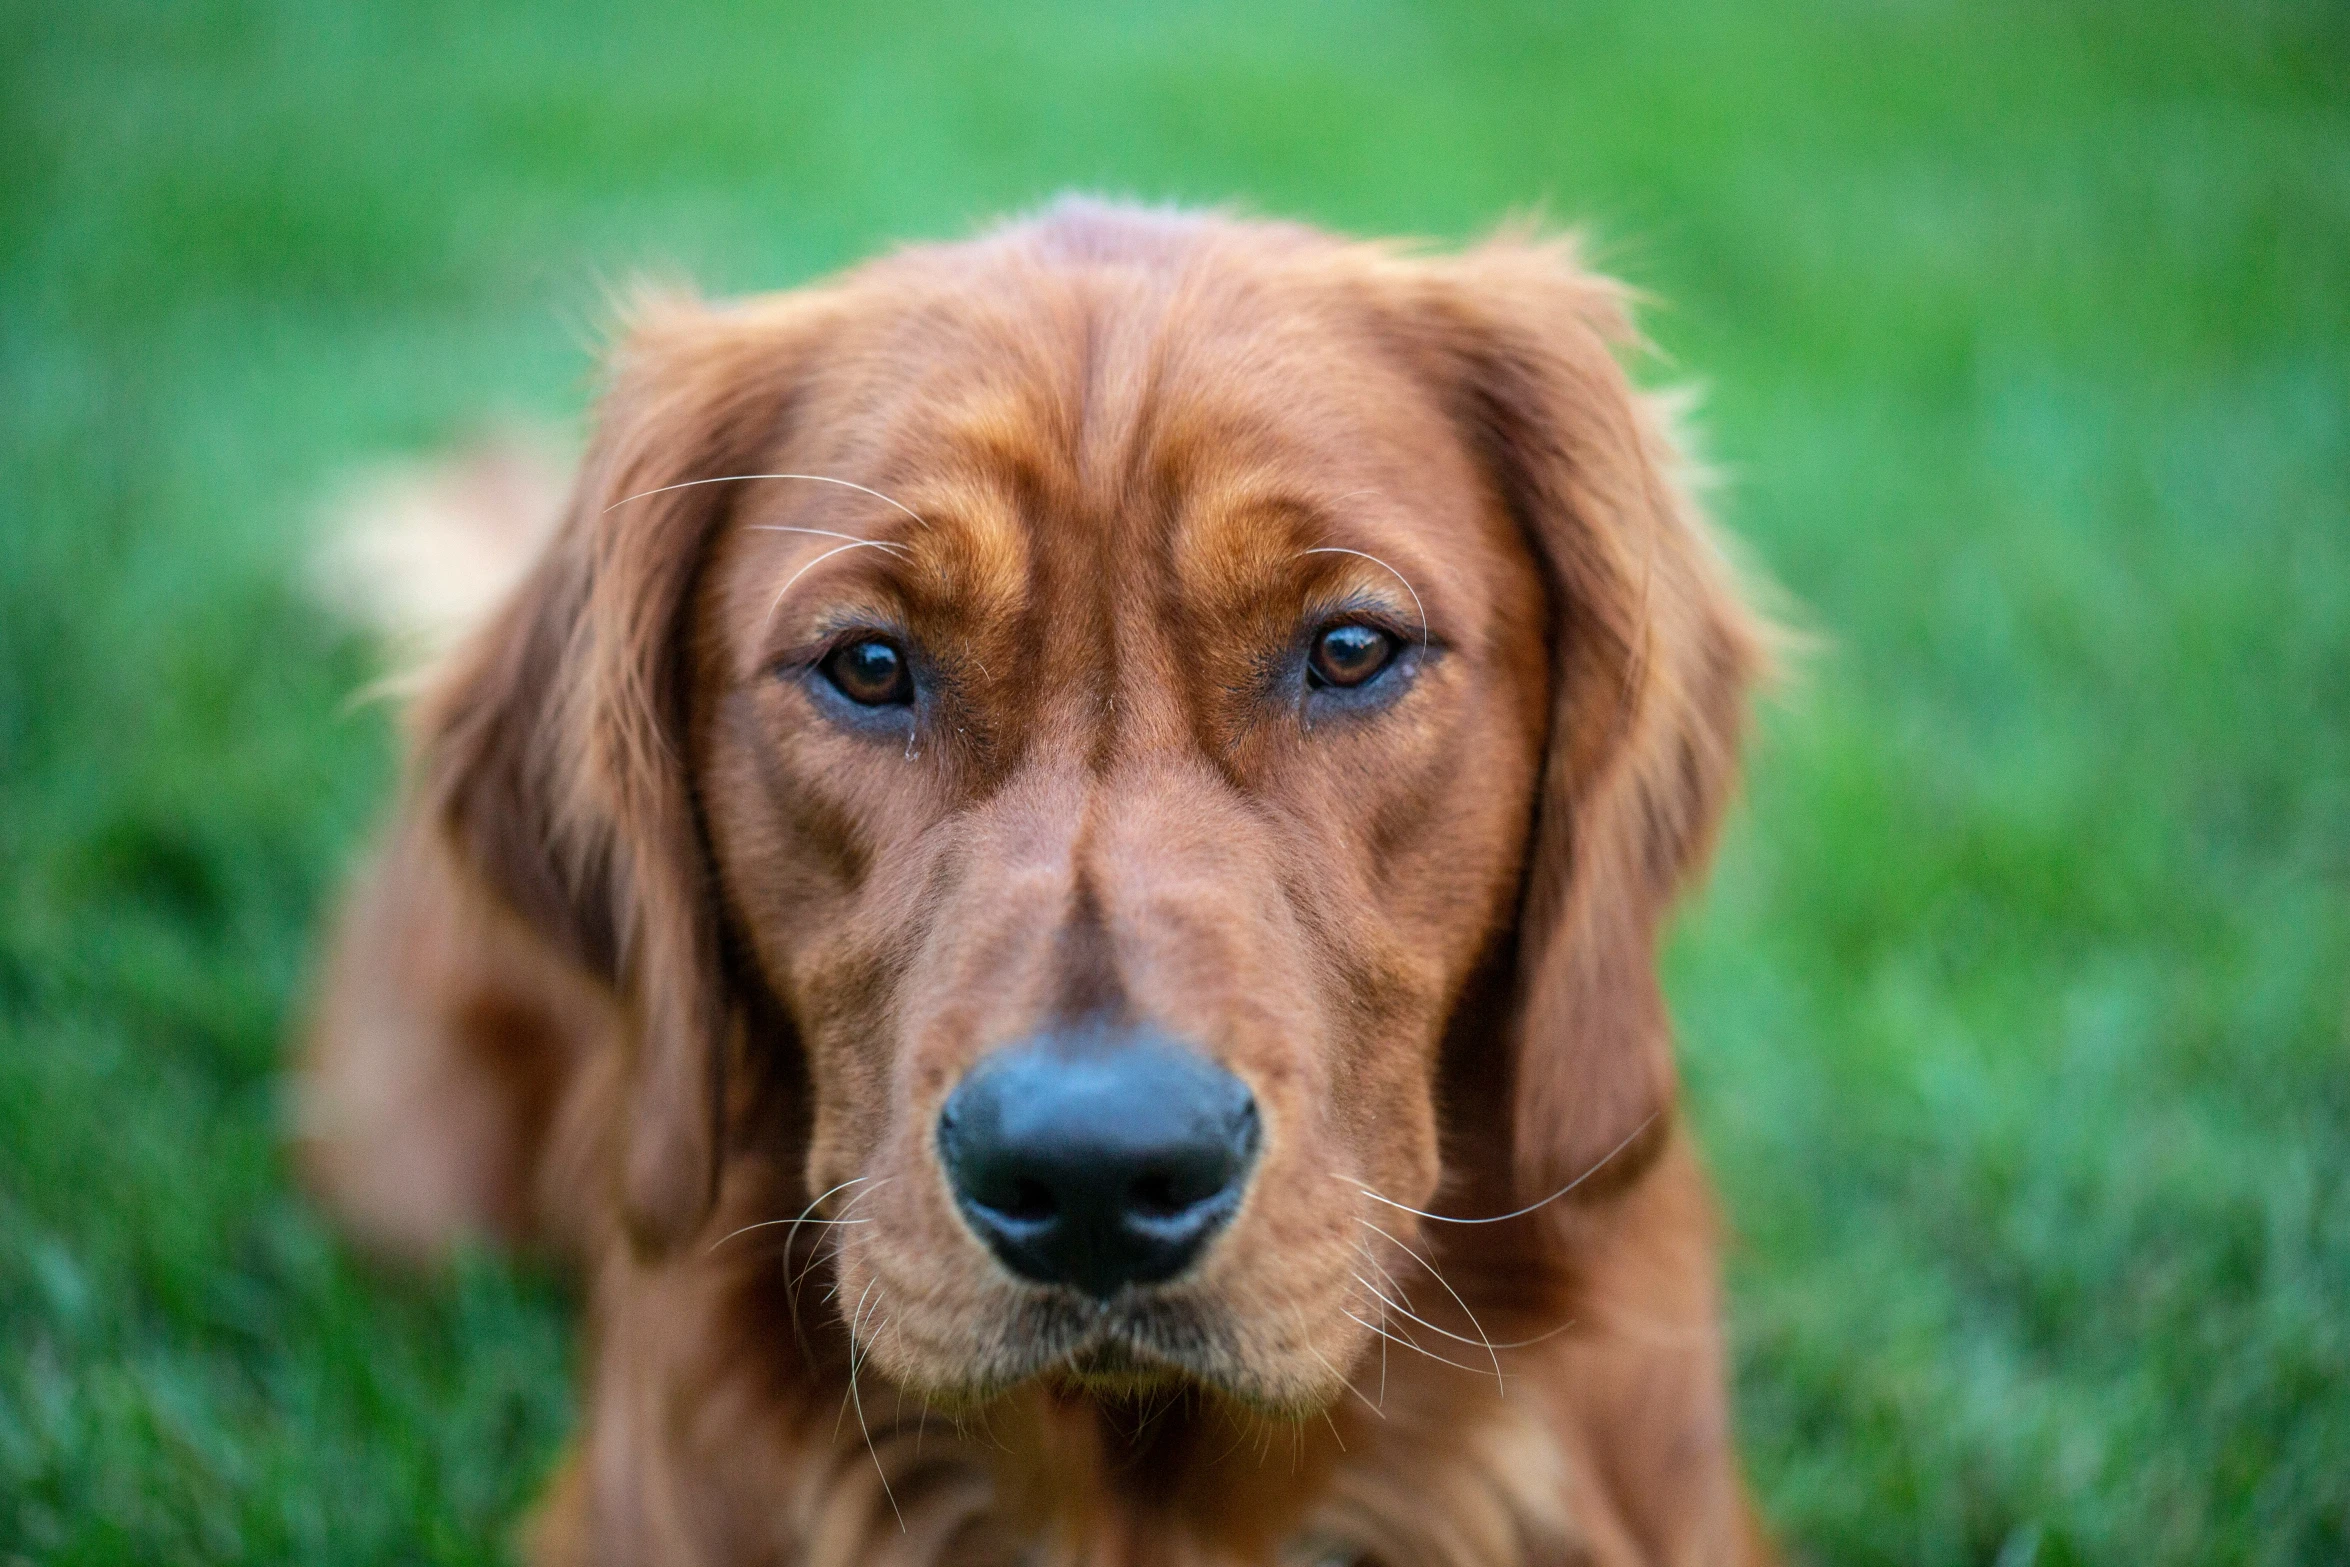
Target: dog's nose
<point>1098,1160</point>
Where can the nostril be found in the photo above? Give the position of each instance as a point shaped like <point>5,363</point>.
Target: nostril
<point>1029,1201</point>
<point>1155,1196</point>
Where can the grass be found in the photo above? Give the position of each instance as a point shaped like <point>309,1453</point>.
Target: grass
<point>2015,1022</point>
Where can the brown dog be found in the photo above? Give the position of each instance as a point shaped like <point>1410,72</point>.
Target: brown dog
<point>1053,804</point>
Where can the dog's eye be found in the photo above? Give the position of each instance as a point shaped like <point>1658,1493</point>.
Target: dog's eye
<point>871,673</point>
<point>1350,654</point>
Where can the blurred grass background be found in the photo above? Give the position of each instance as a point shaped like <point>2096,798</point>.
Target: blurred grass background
<point>2015,1021</point>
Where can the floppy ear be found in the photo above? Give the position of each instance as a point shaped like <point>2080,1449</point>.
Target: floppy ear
<point>1652,653</point>
<point>552,751</point>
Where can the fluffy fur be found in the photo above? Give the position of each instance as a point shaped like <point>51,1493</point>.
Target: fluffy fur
<point>668,968</point>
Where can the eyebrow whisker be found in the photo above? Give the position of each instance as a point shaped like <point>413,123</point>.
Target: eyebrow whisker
<point>738,478</point>
<point>824,533</point>
<point>1333,549</point>
<point>860,544</point>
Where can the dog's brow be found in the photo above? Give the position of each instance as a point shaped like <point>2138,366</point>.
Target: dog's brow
<point>739,478</point>
<point>822,533</point>
<point>838,549</point>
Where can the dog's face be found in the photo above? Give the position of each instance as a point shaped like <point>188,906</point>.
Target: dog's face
<point>1187,688</point>
<point>1180,693</point>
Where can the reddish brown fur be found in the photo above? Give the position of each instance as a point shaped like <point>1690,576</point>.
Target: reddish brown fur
<point>721,956</point>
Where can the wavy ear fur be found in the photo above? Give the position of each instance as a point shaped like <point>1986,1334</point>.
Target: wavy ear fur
<point>553,749</point>
<point>1652,654</point>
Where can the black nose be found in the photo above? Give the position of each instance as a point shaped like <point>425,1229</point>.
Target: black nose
<point>1098,1160</point>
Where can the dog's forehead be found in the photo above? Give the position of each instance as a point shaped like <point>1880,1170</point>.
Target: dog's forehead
<point>1197,420</point>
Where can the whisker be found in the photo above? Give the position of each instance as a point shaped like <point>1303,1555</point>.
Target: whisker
<point>1403,1336</point>
<point>827,533</point>
<point>1477,1371</point>
<point>1445,1218</point>
<point>1239,1435</point>
<point>798,1281</point>
<point>1539,1338</point>
<point>792,1286</point>
<point>1499,1343</point>
<point>1394,1328</point>
<point>791,1240</point>
<point>768,1224</point>
<point>871,1451</point>
<point>739,478</point>
<point>1349,1386</point>
<point>1150,1414</point>
<point>856,1364</point>
<point>1380,1268</point>
<point>843,549</point>
<point>1332,549</point>
<point>1499,1383</point>
<point>1408,1315</point>
<point>855,1317</point>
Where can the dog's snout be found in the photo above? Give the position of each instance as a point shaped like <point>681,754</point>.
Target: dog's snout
<point>1098,1160</point>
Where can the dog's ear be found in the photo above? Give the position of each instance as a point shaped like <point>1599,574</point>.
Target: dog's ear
<point>1652,654</point>
<point>552,751</point>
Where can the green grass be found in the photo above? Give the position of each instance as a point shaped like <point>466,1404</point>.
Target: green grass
<point>2016,1021</point>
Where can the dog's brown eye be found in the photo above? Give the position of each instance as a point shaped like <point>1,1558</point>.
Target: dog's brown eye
<point>1350,654</point>
<point>871,673</point>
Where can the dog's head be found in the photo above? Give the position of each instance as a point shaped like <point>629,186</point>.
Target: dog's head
<point>1180,758</point>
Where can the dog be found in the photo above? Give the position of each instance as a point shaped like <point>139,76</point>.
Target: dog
<point>1050,887</point>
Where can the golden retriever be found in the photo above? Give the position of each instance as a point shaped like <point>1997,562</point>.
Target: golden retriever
<point>1051,884</point>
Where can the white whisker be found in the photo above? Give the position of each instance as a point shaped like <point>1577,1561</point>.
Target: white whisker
<point>1539,1338</point>
<point>857,1357</point>
<point>1409,1315</point>
<point>1476,1371</point>
<point>1499,1383</point>
<point>843,549</point>
<point>768,1224</point>
<point>1444,1218</point>
<point>1380,1268</point>
<point>739,478</point>
<point>854,1318</point>
<point>792,1286</point>
<point>1349,1386</point>
<point>1333,549</point>
<point>827,533</point>
<point>1499,1343</point>
<point>796,1222</point>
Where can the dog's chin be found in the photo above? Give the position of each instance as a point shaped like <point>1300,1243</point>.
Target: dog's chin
<point>1115,1371</point>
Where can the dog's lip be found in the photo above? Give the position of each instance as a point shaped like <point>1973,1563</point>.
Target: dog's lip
<point>1141,1336</point>
<point>1138,1344</point>
<point>1119,1362</point>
